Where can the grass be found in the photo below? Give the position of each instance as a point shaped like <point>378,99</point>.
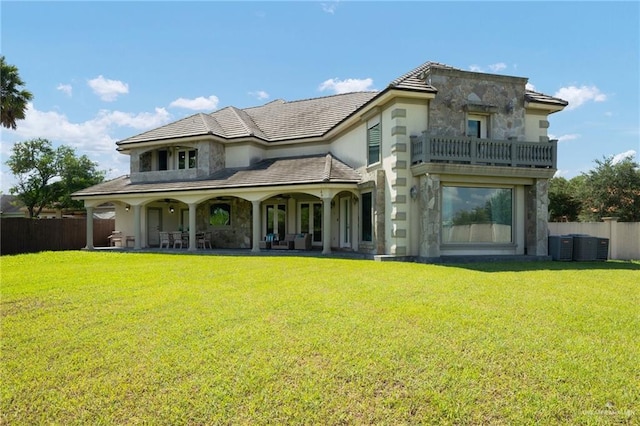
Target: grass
<point>124,338</point>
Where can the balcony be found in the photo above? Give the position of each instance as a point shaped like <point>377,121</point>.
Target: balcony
<point>466,150</point>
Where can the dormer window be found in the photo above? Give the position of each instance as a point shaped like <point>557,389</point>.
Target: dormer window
<point>187,159</point>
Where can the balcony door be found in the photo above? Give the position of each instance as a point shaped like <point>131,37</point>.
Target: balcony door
<point>345,222</point>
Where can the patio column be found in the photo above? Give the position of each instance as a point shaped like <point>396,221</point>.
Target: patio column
<point>326,225</point>
<point>192,226</point>
<point>256,226</point>
<point>137,235</point>
<point>89,245</point>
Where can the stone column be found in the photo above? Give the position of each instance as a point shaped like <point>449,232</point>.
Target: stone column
<point>429,199</point>
<point>192,226</point>
<point>256,226</point>
<point>613,236</point>
<point>137,234</point>
<point>537,223</point>
<point>326,225</point>
<point>89,245</point>
<point>379,228</point>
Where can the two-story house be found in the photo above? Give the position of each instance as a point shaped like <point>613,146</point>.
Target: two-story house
<point>441,162</point>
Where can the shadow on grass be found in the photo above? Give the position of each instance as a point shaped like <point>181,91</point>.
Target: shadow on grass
<point>546,265</point>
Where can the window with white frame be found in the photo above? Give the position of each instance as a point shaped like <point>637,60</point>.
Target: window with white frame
<point>374,139</point>
<point>477,126</point>
<point>187,159</point>
<point>477,215</point>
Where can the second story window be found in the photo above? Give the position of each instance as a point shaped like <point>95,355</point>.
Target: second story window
<point>374,138</point>
<point>187,159</point>
<point>477,126</point>
<point>162,159</point>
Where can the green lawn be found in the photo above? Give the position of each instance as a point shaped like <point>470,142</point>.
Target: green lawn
<point>130,338</point>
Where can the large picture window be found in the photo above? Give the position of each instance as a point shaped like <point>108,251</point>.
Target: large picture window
<point>477,215</point>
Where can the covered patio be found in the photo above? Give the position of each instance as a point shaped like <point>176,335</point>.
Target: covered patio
<point>239,207</point>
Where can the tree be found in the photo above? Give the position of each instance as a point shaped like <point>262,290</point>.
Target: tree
<point>14,99</point>
<point>47,177</point>
<point>564,201</point>
<point>612,189</point>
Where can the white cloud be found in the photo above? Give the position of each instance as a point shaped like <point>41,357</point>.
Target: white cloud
<point>560,173</point>
<point>330,7</point>
<point>108,90</point>
<point>530,86</point>
<point>565,138</point>
<point>577,96</point>
<point>608,114</point>
<point>475,68</point>
<point>89,136</point>
<point>497,67</point>
<point>199,103</point>
<point>65,88</point>
<point>618,158</point>
<point>346,86</point>
<point>260,95</point>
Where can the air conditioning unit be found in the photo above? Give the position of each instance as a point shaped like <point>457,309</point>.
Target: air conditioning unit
<point>602,252</point>
<point>585,247</point>
<point>561,247</point>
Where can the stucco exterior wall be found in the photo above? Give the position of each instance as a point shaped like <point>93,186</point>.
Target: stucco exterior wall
<point>536,125</point>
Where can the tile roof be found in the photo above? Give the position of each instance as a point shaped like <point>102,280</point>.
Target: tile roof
<point>280,120</point>
<point>274,121</point>
<point>414,79</point>
<point>532,96</point>
<point>279,171</point>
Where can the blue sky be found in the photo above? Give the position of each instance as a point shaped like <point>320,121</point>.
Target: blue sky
<point>101,72</point>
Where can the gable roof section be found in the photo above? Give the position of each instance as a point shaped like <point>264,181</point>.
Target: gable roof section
<point>194,125</point>
<point>275,121</point>
<point>313,169</point>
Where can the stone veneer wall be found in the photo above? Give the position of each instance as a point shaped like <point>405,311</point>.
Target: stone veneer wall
<point>461,93</point>
<point>238,235</point>
<point>430,202</point>
<point>537,223</point>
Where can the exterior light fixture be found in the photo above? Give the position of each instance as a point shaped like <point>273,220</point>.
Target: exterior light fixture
<point>127,207</point>
<point>171,209</point>
<point>413,192</point>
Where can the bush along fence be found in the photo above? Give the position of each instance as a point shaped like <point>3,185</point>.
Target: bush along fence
<point>624,237</point>
<point>23,235</point>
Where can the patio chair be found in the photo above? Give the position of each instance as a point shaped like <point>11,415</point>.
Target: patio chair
<point>204,239</point>
<point>164,239</point>
<point>286,244</point>
<point>115,239</point>
<point>177,239</point>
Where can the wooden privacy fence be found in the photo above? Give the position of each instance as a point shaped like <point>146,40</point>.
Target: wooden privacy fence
<point>22,235</point>
<point>624,237</point>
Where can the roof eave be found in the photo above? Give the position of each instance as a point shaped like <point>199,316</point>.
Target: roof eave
<point>549,107</point>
